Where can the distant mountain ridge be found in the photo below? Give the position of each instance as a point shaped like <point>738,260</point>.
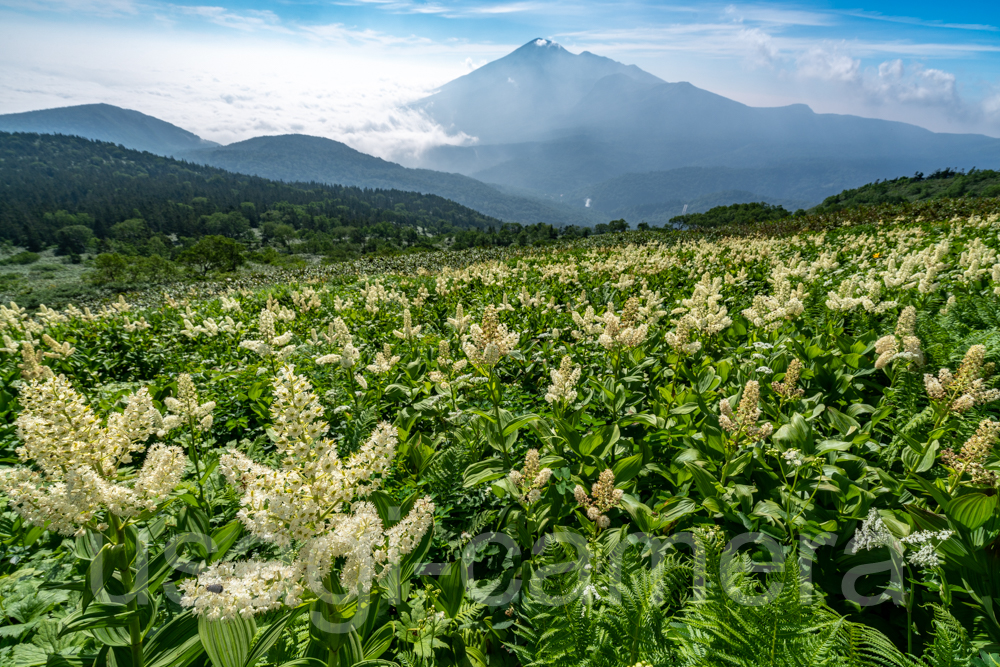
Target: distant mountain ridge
<point>291,158</point>
<point>302,158</point>
<point>105,122</point>
<point>573,124</point>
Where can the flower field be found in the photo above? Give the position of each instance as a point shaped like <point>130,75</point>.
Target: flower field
<point>640,449</point>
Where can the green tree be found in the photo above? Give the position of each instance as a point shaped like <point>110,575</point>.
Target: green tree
<point>277,233</point>
<point>73,239</point>
<point>232,225</point>
<point>214,253</point>
<point>618,225</point>
<point>109,267</point>
<point>132,232</point>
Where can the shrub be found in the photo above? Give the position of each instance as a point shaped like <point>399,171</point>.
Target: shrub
<point>22,258</point>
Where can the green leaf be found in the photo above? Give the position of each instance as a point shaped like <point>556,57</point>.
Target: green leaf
<point>518,422</point>
<point>737,465</point>
<point>842,422</point>
<point>796,434</point>
<point>919,458</point>
<point>707,485</point>
<point>101,569</point>
<point>641,418</point>
<point>225,537</point>
<point>97,615</point>
<point>227,643</point>
<point>482,472</point>
<point>268,638</point>
<point>706,381</point>
<point>677,507</point>
<point>379,641</point>
<point>176,644</point>
<point>627,468</point>
<point>452,589</point>
<point>972,510</point>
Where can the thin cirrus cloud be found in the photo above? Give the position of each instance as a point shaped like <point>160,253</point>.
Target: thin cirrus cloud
<point>347,69</point>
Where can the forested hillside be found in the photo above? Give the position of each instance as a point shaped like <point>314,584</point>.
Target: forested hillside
<point>61,190</point>
<point>943,183</point>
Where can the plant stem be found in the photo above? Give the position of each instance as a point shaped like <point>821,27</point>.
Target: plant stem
<point>197,463</point>
<point>910,600</point>
<point>134,629</point>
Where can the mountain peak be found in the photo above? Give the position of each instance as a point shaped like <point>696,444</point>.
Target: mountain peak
<point>539,47</point>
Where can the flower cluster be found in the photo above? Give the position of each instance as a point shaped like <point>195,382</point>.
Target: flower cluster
<point>965,389</point>
<point>490,342</point>
<point>681,338</point>
<point>603,497</point>
<point>270,344</point>
<point>460,323</point>
<point>530,480</point>
<point>77,460</point>
<point>562,390</point>
<point>769,312</point>
<point>903,344</point>
<point>787,388</point>
<point>705,309</point>
<point>306,300</point>
<point>793,458</point>
<point>973,454</point>
<point>926,543</point>
<point>872,533</point>
<point>314,504</point>
<point>744,422</point>
<point>57,350</point>
<point>244,589</point>
<point>31,365</point>
<point>338,334</point>
<point>622,331</point>
<point>185,410</point>
<point>408,332</point>
<point>449,369</point>
<point>384,361</point>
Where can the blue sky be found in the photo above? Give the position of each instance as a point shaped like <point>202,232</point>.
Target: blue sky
<point>343,68</point>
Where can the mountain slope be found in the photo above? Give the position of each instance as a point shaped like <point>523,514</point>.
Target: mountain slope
<point>296,157</point>
<point>105,122</point>
<point>944,183</point>
<point>50,182</point>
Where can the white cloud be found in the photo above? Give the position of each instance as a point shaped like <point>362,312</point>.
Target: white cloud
<point>103,8</point>
<point>991,107</point>
<point>891,81</point>
<point>471,64</point>
<point>919,86</point>
<point>249,20</point>
<point>828,64</point>
<point>761,49</point>
<point>232,88</point>
<point>777,16</point>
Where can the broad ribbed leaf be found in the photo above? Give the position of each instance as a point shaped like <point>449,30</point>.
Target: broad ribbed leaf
<point>379,641</point>
<point>227,643</point>
<point>972,510</point>
<point>176,644</point>
<point>268,638</point>
<point>98,615</point>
